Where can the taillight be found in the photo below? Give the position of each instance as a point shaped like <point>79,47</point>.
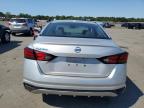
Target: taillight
<point>43,56</point>
<point>29,53</point>
<point>37,55</point>
<point>115,59</point>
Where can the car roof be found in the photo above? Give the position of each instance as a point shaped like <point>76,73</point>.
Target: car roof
<point>21,18</point>
<point>73,21</point>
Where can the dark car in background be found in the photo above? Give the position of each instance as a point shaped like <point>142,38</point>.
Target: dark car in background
<point>139,25</point>
<point>107,25</point>
<point>133,25</point>
<point>124,25</point>
<point>4,34</point>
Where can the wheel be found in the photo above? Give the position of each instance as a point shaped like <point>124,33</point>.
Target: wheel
<point>31,32</point>
<point>5,38</point>
<point>13,34</point>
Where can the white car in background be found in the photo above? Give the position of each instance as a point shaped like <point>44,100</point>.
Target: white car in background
<point>22,25</point>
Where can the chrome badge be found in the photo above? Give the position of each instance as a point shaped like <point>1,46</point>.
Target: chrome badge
<point>77,50</point>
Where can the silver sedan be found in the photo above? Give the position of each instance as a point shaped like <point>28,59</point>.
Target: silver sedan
<point>74,58</point>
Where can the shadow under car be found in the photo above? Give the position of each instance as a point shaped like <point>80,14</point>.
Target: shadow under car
<point>9,46</point>
<point>127,99</point>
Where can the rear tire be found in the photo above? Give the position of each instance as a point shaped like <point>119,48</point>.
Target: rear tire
<point>14,34</point>
<point>5,38</point>
<point>30,32</point>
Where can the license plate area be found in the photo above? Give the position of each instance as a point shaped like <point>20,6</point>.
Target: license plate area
<point>17,26</point>
<point>75,60</point>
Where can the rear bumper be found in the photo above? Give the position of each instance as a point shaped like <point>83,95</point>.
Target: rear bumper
<point>37,82</point>
<point>74,92</point>
<point>19,31</point>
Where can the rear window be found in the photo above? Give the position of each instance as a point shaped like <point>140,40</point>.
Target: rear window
<point>18,20</point>
<point>74,30</point>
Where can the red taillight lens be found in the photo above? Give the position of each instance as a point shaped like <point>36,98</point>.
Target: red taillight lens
<point>37,55</point>
<point>43,56</point>
<point>29,53</point>
<point>123,58</point>
<point>40,55</point>
<point>115,59</point>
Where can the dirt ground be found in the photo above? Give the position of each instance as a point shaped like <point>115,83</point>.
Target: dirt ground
<point>13,94</point>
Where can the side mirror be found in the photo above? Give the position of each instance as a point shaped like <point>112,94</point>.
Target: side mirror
<point>36,32</point>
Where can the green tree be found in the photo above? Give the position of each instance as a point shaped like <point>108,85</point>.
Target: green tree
<point>24,15</point>
<point>2,14</point>
<point>8,15</point>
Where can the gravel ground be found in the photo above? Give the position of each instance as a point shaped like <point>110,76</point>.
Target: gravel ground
<point>13,95</point>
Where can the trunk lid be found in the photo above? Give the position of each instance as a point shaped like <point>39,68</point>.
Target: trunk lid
<point>69,62</point>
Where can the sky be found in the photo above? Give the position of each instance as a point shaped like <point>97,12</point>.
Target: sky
<point>95,8</point>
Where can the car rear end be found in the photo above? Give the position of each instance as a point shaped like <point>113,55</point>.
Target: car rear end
<point>18,25</point>
<point>75,66</point>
